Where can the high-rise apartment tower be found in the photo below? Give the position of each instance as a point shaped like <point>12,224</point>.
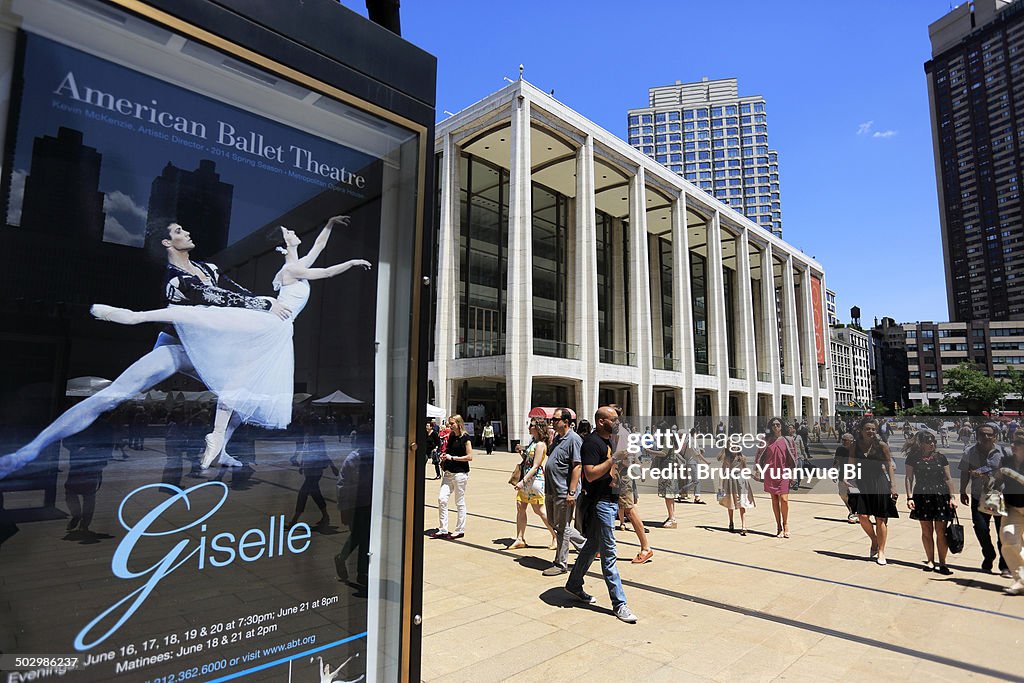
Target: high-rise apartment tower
<point>717,140</point>
<point>976,94</point>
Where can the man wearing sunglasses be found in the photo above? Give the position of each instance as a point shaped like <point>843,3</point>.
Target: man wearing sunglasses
<point>977,465</point>
<point>561,488</point>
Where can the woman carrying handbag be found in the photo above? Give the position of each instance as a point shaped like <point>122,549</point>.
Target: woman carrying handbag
<point>530,487</point>
<point>931,497</point>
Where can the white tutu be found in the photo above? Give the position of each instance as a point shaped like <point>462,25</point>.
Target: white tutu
<point>246,357</point>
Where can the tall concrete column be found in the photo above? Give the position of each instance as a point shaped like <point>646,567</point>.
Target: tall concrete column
<point>769,314</point>
<point>682,304</point>
<point>588,332</point>
<point>717,346</point>
<point>747,349</point>
<point>811,359</point>
<point>640,291</point>
<point>446,327</point>
<point>519,298</point>
<point>791,335</point>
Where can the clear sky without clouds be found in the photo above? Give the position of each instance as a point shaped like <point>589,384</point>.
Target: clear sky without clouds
<point>845,90</point>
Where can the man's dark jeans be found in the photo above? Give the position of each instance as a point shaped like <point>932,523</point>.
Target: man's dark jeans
<point>982,529</point>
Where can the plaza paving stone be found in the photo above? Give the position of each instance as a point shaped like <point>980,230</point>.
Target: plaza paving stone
<point>713,605</point>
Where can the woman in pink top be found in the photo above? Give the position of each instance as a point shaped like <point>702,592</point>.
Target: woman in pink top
<point>778,454</point>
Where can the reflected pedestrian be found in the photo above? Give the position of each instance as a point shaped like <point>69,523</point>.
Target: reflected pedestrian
<point>931,497</point>
<point>778,454</point>
<point>1011,475</point>
<point>977,466</point>
<point>735,493</point>
<point>876,488</point>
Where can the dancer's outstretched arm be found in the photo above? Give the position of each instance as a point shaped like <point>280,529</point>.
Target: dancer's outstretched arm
<point>300,273</point>
<point>341,666</point>
<point>321,240</point>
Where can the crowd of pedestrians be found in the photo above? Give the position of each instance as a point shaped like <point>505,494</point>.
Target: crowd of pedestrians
<point>577,480</point>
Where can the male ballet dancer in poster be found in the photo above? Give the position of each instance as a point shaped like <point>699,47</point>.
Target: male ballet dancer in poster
<point>189,284</point>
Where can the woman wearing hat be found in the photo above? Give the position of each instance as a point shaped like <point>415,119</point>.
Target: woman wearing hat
<point>931,497</point>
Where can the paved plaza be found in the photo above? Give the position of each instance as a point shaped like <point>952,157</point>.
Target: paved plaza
<point>713,605</point>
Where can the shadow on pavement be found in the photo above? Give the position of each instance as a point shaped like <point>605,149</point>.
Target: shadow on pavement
<point>533,562</point>
<point>975,583</point>
<point>864,558</point>
<point>557,597</point>
<point>835,519</point>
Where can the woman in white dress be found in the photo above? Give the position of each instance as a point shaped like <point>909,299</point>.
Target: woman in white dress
<point>245,356</point>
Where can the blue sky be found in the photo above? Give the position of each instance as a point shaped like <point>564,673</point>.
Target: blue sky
<point>863,204</point>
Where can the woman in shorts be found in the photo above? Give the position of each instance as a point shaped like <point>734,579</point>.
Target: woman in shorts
<point>530,489</point>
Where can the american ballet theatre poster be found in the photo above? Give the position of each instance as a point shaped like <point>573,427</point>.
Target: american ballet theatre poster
<point>187,390</point>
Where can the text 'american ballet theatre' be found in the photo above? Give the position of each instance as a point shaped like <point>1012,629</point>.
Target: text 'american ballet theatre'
<point>222,134</point>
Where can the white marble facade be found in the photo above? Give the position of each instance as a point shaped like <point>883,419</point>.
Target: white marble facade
<point>537,139</point>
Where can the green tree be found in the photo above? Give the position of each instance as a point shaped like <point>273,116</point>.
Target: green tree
<point>1015,382</point>
<point>878,408</point>
<point>967,388</point>
<point>921,410</point>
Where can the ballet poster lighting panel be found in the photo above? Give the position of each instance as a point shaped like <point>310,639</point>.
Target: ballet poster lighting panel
<point>206,477</point>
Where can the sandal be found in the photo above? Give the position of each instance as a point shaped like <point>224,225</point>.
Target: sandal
<point>518,545</point>
<point>743,532</point>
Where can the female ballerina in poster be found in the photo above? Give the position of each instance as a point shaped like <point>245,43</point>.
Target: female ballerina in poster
<point>245,356</point>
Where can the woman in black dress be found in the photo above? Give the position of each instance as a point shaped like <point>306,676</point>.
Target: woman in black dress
<point>876,493</point>
<point>931,497</point>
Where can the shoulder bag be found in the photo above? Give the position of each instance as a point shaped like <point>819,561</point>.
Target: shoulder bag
<point>955,534</point>
<point>517,474</point>
<point>992,502</point>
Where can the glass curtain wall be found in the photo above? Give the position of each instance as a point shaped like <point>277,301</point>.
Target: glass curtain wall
<point>483,258</point>
<point>699,288</point>
<point>728,286</point>
<point>665,272</point>
<point>605,258</point>
<point>550,211</point>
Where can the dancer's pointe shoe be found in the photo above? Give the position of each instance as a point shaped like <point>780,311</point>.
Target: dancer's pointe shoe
<point>115,315</point>
<point>226,460</point>
<point>214,446</point>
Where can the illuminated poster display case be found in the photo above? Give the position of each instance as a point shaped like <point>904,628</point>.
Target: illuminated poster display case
<point>213,341</point>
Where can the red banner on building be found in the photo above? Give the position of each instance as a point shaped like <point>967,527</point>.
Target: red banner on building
<point>819,324</point>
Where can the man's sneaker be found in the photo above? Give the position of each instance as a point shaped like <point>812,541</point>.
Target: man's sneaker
<point>439,534</point>
<point>581,595</point>
<point>554,571</point>
<point>623,613</point>
<point>1016,588</point>
<point>1005,574</point>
